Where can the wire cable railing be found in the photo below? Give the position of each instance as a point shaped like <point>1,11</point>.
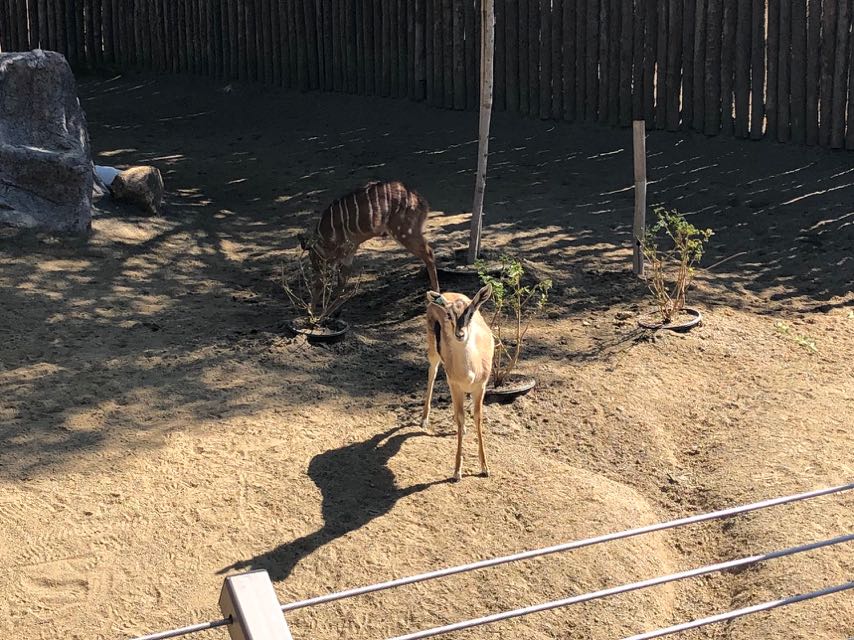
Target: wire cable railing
<point>632,586</point>
<point>738,613</point>
<point>578,544</point>
<point>567,546</point>
<point>183,631</point>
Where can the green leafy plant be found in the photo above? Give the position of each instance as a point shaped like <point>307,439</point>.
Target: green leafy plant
<point>801,339</point>
<point>675,262</point>
<point>297,288</point>
<point>514,306</point>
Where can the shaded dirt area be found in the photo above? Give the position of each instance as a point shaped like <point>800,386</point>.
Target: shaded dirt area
<point>159,427</point>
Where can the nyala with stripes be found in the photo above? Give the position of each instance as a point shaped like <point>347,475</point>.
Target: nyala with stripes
<point>377,209</point>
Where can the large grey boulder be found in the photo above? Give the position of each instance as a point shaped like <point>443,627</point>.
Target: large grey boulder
<point>45,164</point>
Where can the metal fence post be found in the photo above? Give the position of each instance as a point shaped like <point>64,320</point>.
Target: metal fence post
<point>250,601</point>
<point>639,226</point>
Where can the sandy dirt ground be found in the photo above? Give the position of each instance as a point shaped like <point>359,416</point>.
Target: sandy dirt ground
<point>161,428</point>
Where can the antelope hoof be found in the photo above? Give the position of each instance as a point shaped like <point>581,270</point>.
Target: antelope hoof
<point>425,422</point>
<point>457,476</point>
<point>484,472</point>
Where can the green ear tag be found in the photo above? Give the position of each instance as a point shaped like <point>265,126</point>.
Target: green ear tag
<point>440,301</point>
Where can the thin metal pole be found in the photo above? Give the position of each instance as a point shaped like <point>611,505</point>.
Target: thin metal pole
<point>723,617</point>
<point>174,633</point>
<point>487,51</point>
<point>639,224</point>
<point>568,546</point>
<point>633,586</point>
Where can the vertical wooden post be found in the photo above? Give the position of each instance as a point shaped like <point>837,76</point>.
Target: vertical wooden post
<point>757,71</point>
<point>487,49</point>
<point>728,48</point>
<point>250,602</point>
<point>275,43</point>
<point>625,64</point>
<point>459,56</point>
<point>649,60</point>
<point>420,51</point>
<point>511,55</point>
<point>639,227</point>
<point>6,43</point>
<point>605,36</point>
<point>545,61</point>
<point>472,86</point>
<point>410,49</point>
<point>99,35</point>
<point>638,61</point>
<point>569,31</point>
<point>522,55</point>
<point>615,39</point>
<point>43,25</point>
<point>109,46</point>
<point>849,135</point>
<point>714,33</point>
<point>784,83</point>
<point>557,58</point>
<point>840,75</point>
<point>662,47</point>
<point>773,57</point>
<point>742,70</point>
<point>402,50</point>
<point>499,101</point>
<point>448,52</point>
<point>813,47</point>
<point>799,72</point>
<point>534,9</point>
<point>674,64</point>
<point>592,59</point>
<point>351,84</point>
<point>689,23</point>
<point>429,56</point>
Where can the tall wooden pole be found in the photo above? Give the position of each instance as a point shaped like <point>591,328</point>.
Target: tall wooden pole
<point>487,49</point>
<point>639,228</point>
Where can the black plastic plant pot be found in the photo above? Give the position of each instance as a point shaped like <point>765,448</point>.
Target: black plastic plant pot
<point>330,330</point>
<point>513,387</point>
<point>682,323</point>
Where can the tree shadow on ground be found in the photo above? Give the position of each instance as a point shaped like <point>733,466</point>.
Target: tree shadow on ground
<point>356,486</point>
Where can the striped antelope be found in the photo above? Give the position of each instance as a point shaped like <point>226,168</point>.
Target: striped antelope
<point>459,339</point>
<point>377,209</point>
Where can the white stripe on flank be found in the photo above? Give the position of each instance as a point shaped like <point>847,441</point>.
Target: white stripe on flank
<point>358,214</point>
<point>353,216</point>
<point>370,210</point>
<point>331,210</point>
<point>343,225</point>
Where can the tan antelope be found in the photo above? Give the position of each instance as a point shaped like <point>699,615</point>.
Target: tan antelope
<point>459,339</point>
<point>377,209</point>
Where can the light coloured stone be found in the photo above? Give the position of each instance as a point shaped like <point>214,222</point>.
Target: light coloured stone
<point>45,164</point>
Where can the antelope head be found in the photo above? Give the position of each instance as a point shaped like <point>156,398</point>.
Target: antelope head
<point>458,313</point>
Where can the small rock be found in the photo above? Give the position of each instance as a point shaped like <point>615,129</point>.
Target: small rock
<point>142,186</point>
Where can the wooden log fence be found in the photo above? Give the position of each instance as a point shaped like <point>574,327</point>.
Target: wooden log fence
<point>777,69</point>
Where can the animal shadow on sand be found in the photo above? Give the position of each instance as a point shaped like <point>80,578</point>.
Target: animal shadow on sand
<point>356,486</point>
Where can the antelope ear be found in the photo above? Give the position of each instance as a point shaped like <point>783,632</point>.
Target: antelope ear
<point>435,298</point>
<point>481,296</point>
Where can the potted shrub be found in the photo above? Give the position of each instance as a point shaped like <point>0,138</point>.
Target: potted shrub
<point>514,306</point>
<point>317,321</point>
<point>671,269</point>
